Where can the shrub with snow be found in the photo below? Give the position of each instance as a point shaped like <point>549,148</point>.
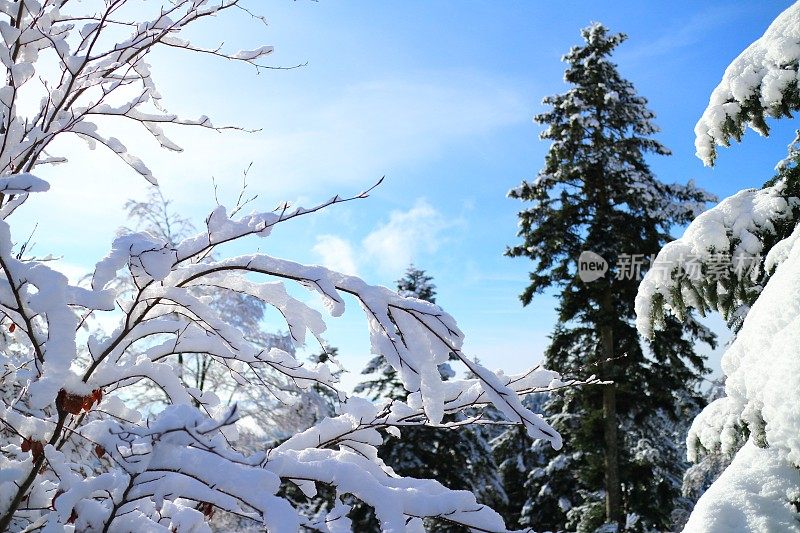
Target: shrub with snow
<point>74,455</point>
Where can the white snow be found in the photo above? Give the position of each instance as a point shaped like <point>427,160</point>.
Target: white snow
<point>762,369</point>
<point>733,228</point>
<point>762,71</point>
<point>752,494</point>
<point>22,183</point>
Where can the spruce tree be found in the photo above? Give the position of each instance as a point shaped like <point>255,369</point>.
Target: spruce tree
<point>515,458</point>
<point>459,459</point>
<point>596,193</point>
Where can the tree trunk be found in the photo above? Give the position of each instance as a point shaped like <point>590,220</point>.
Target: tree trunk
<point>613,489</point>
<point>613,492</point>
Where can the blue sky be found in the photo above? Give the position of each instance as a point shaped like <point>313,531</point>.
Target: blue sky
<point>436,96</point>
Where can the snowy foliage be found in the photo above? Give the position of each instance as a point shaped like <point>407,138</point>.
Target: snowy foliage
<point>77,453</point>
<point>760,489</point>
<point>86,66</point>
<point>762,371</point>
<point>709,461</point>
<point>73,444</point>
<point>761,82</point>
<point>717,263</point>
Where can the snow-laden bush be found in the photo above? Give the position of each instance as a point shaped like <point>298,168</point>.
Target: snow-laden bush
<point>74,455</point>
<point>760,489</point>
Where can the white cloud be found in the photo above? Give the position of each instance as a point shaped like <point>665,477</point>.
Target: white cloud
<point>396,243</point>
<point>392,245</point>
<point>336,254</point>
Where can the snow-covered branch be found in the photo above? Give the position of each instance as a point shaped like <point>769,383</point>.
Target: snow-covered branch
<point>718,263</point>
<point>101,72</point>
<point>760,83</point>
<point>759,413</point>
<point>172,467</point>
<point>81,446</point>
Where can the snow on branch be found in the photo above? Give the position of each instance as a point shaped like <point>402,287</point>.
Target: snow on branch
<point>77,449</point>
<point>67,397</point>
<point>759,489</point>
<point>761,371</point>
<point>717,264</point>
<point>102,71</point>
<point>761,82</point>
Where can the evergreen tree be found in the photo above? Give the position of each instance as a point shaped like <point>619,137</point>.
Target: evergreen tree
<point>515,457</point>
<point>751,431</point>
<point>596,193</point>
<point>417,284</point>
<point>459,459</point>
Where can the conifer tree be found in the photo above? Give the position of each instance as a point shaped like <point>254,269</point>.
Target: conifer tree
<point>596,193</point>
<point>458,459</point>
<point>750,432</point>
<point>515,457</point>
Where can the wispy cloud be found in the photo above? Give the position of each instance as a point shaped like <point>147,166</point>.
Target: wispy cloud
<point>406,234</point>
<point>315,140</point>
<point>336,253</point>
<point>353,135</point>
<point>687,34</point>
<point>391,245</point>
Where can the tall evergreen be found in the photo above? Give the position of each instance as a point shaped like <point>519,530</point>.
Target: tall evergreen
<point>596,193</point>
<point>459,459</point>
